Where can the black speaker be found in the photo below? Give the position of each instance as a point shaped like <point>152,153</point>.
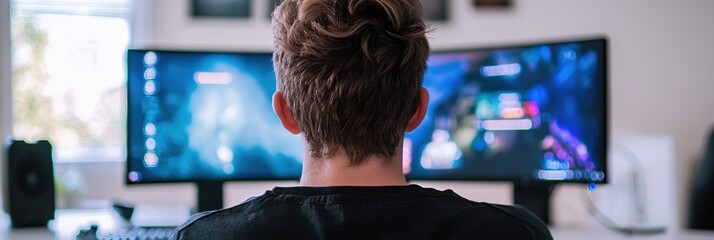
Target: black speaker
<point>29,184</point>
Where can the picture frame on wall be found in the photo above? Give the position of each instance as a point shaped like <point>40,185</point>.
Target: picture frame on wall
<point>435,10</point>
<point>503,4</point>
<point>220,8</point>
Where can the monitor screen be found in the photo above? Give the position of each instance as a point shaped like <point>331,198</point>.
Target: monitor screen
<point>534,112</point>
<point>205,116</point>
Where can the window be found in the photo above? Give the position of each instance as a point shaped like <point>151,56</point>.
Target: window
<point>69,75</point>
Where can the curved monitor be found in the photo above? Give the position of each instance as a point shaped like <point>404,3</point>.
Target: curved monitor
<point>205,116</point>
<point>531,112</point>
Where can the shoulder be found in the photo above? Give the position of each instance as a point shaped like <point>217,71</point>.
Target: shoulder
<point>486,220</point>
<point>501,222</point>
<point>216,224</point>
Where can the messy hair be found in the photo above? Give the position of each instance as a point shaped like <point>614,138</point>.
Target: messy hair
<point>351,72</point>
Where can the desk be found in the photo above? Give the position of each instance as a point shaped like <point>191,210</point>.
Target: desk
<point>599,232</point>
<point>68,222</point>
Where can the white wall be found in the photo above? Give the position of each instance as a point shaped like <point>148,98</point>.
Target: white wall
<point>173,27</point>
<point>5,97</point>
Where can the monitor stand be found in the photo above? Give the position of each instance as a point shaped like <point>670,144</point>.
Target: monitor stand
<point>210,195</point>
<point>534,196</point>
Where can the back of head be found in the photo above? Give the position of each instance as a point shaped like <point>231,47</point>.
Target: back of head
<point>350,71</point>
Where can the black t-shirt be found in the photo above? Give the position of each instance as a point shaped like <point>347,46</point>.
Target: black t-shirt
<point>392,212</point>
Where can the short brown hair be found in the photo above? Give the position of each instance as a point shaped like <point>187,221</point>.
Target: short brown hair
<point>350,71</point>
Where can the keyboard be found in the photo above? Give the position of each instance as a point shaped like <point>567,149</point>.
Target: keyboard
<point>131,233</point>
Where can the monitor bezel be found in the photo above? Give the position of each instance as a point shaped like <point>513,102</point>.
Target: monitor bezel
<point>603,149</point>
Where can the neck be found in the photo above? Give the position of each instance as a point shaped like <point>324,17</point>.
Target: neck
<point>337,171</point>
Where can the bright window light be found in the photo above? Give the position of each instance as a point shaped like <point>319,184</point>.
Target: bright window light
<point>69,76</point>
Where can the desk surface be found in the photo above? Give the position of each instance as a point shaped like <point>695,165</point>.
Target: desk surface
<point>68,222</point>
<point>598,232</point>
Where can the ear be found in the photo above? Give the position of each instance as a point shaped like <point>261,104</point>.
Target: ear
<point>418,116</point>
<point>280,106</point>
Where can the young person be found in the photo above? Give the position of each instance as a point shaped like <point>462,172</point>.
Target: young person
<point>349,78</point>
